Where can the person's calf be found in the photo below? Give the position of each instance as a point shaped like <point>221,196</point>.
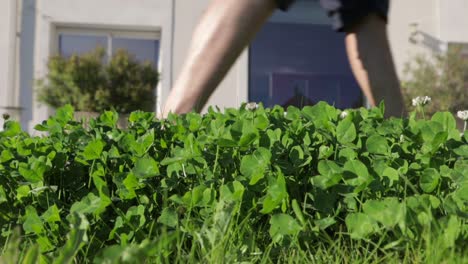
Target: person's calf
<point>372,64</point>
<point>222,33</point>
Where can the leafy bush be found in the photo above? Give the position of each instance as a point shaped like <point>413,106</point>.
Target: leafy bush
<point>89,83</point>
<point>443,77</point>
<point>244,185</point>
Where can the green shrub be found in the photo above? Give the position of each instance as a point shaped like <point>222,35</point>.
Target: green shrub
<point>89,83</point>
<point>244,185</point>
<point>443,77</point>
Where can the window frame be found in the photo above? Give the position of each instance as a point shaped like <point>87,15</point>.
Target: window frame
<point>44,17</point>
<point>109,34</point>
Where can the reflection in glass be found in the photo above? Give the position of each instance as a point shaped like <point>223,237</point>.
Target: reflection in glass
<point>301,64</point>
<point>142,49</point>
<point>70,44</point>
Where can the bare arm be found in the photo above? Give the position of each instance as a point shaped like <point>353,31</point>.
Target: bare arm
<point>224,31</point>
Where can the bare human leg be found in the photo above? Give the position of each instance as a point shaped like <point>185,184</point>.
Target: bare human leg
<point>371,61</point>
<point>225,29</point>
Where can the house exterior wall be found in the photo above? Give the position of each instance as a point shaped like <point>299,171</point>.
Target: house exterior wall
<point>39,20</point>
<point>454,20</point>
<point>26,29</point>
<point>413,28</point>
<point>148,15</point>
<point>8,58</point>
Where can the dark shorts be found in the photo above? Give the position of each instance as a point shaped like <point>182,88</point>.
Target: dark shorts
<point>347,13</point>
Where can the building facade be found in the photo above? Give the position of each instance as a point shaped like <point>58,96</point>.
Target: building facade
<point>296,59</point>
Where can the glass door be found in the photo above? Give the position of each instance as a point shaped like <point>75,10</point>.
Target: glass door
<point>297,59</point>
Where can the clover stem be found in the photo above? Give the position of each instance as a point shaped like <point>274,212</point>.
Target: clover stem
<point>216,160</point>
<point>90,174</point>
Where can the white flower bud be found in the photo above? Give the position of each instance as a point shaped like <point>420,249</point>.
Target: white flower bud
<point>463,115</point>
<point>343,115</point>
<point>421,100</point>
<point>251,106</point>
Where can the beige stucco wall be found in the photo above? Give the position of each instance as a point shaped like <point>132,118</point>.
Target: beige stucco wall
<point>424,15</point>
<point>5,49</point>
<point>7,55</point>
<point>233,90</point>
<point>454,20</point>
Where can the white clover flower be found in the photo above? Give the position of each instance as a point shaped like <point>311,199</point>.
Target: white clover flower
<point>463,115</point>
<point>251,106</point>
<point>421,100</point>
<point>343,115</point>
<point>427,100</point>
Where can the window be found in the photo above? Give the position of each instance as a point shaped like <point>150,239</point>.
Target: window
<point>297,59</point>
<point>144,46</point>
